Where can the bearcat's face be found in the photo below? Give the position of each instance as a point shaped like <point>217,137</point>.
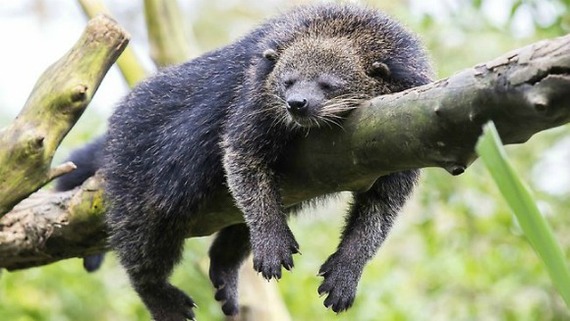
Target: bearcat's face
<point>316,82</point>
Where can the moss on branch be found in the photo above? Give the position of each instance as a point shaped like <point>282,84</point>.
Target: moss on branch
<point>131,67</point>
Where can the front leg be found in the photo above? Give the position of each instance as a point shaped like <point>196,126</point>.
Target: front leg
<point>368,223</point>
<point>254,188</point>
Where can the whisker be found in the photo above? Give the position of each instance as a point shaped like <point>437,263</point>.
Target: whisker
<point>334,122</point>
<point>332,113</point>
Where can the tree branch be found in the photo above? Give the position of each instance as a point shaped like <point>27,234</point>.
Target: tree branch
<point>131,67</point>
<point>49,226</point>
<point>523,92</point>
<point>56,103</point>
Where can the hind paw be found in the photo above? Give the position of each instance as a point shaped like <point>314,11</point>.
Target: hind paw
<point>225,280</point>
<point>167,303</point>
<point>340,282</point>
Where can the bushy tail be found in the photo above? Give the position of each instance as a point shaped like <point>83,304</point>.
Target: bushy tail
<point>88,160</point>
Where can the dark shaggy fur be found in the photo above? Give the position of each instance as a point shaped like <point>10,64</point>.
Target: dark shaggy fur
<point>226,118</point>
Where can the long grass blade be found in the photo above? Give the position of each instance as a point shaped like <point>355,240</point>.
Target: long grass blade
<point>519,198</point>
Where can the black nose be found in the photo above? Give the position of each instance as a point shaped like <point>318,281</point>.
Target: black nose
<point>297,106</point>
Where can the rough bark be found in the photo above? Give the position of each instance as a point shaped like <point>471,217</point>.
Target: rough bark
<point>56,103</point>
<point>38,224</point>
<point>523,92</point>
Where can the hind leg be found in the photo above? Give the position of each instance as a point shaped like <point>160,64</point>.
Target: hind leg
<point>148,248</point>
<point>227,253</point>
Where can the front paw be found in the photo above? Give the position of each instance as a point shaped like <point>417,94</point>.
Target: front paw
<point>271,251</point>
<point>341,276</point>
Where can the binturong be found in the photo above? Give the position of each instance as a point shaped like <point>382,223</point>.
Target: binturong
<point>225,119</point>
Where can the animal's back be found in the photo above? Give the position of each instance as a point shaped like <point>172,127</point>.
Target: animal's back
<point>163,145</point>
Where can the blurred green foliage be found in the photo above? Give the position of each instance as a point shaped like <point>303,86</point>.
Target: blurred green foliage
<point>456,253</point>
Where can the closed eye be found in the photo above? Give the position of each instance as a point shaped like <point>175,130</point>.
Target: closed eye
<point>289,82</point>
<point>330,83</point>
<point>326,86</point>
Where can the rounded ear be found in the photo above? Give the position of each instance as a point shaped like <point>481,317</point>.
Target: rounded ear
<point>379,69</point>
<point>270,55</point>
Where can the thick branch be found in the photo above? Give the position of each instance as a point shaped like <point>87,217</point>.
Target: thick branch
<point>47,226</point>
<point>131,67</point>
<point>56,102</point>
<point>523,92</point>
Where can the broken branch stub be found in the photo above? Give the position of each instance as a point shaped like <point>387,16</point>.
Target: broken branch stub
<point>58,99</point>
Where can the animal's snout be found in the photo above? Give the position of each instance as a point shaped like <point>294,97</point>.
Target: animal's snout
<point>298,105</point>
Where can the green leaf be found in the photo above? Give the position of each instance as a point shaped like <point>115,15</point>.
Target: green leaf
<point>519,198</point>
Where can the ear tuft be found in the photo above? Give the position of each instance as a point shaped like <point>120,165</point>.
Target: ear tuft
<point>270,54</point>
<point>379,69</point>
